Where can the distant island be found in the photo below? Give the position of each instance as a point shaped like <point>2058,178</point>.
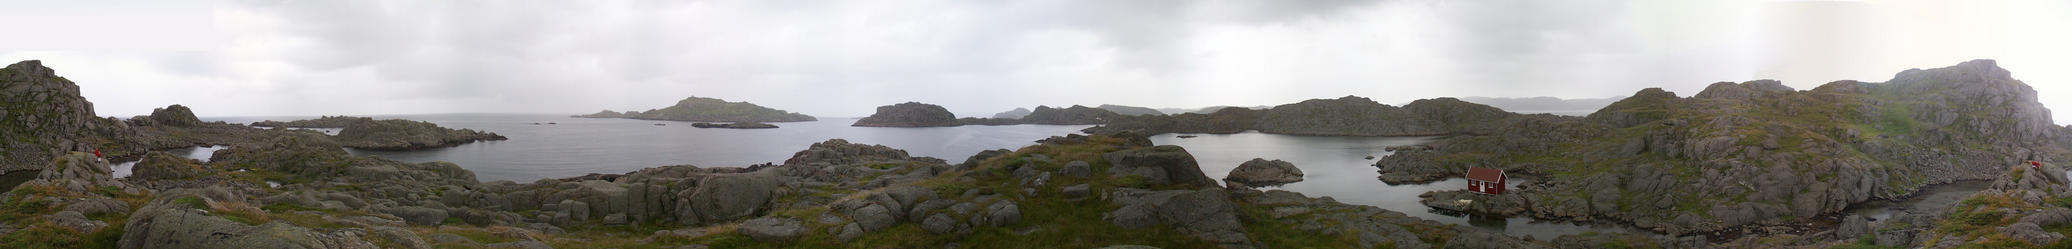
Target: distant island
<point>1345,116</point>
<point>916,114</point>
<point>1550,105</point>
<point>699,109</point>
<point>909,114</point>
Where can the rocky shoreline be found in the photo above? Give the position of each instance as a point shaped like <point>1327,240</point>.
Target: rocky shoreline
<point>1692,168</point>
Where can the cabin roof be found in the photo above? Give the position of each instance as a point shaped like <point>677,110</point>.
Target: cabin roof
<point>1485,174</point>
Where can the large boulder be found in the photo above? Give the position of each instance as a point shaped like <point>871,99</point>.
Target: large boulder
<point>725,197</point>
<point>1158,165</point>
<point>1260,172</point>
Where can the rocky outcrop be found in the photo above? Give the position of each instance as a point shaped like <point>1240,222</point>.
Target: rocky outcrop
<point>397,134</point>
<point>1017,113</point>
<point>42,116</point>
<point>1159,165</point>
<point>735,125</point>
<point>1347,116</point>
<point>909,114</point>
<point>1260,172</point>
<point>1075,115</point>
<point>160,170</point>
<point>1129,110</point>
<point>176,221</point>
<point>700,109</point>
<point>1206,214</point>
<point>1755,152</point>
<point>175,115</point>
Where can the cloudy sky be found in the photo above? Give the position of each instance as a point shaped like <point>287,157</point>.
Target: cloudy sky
<point>843,58</point>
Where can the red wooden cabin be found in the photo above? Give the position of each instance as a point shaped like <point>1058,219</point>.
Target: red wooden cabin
<point>1486,180</point>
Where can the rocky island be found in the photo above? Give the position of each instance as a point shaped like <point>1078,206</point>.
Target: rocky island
<point>699,109</point>
<point>909,114</point>
<point>391,134</point>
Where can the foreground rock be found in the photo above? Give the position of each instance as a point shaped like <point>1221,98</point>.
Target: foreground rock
<point>700,109</point>
<point>1260,172</point>
<point>909,114</point>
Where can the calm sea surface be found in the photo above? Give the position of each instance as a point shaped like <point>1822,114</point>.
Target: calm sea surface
<point>1335,166</point>
<point>576,146</point>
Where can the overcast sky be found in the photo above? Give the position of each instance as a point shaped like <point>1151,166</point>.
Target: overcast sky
<point>843,58</point>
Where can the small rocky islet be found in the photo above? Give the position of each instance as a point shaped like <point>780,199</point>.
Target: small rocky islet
<point>1735,166</point>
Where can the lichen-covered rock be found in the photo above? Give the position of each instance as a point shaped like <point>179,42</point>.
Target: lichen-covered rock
<point>171,222</point>
<point>728,196</point>
<point>772,229</point>
<point>1207,214</point>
